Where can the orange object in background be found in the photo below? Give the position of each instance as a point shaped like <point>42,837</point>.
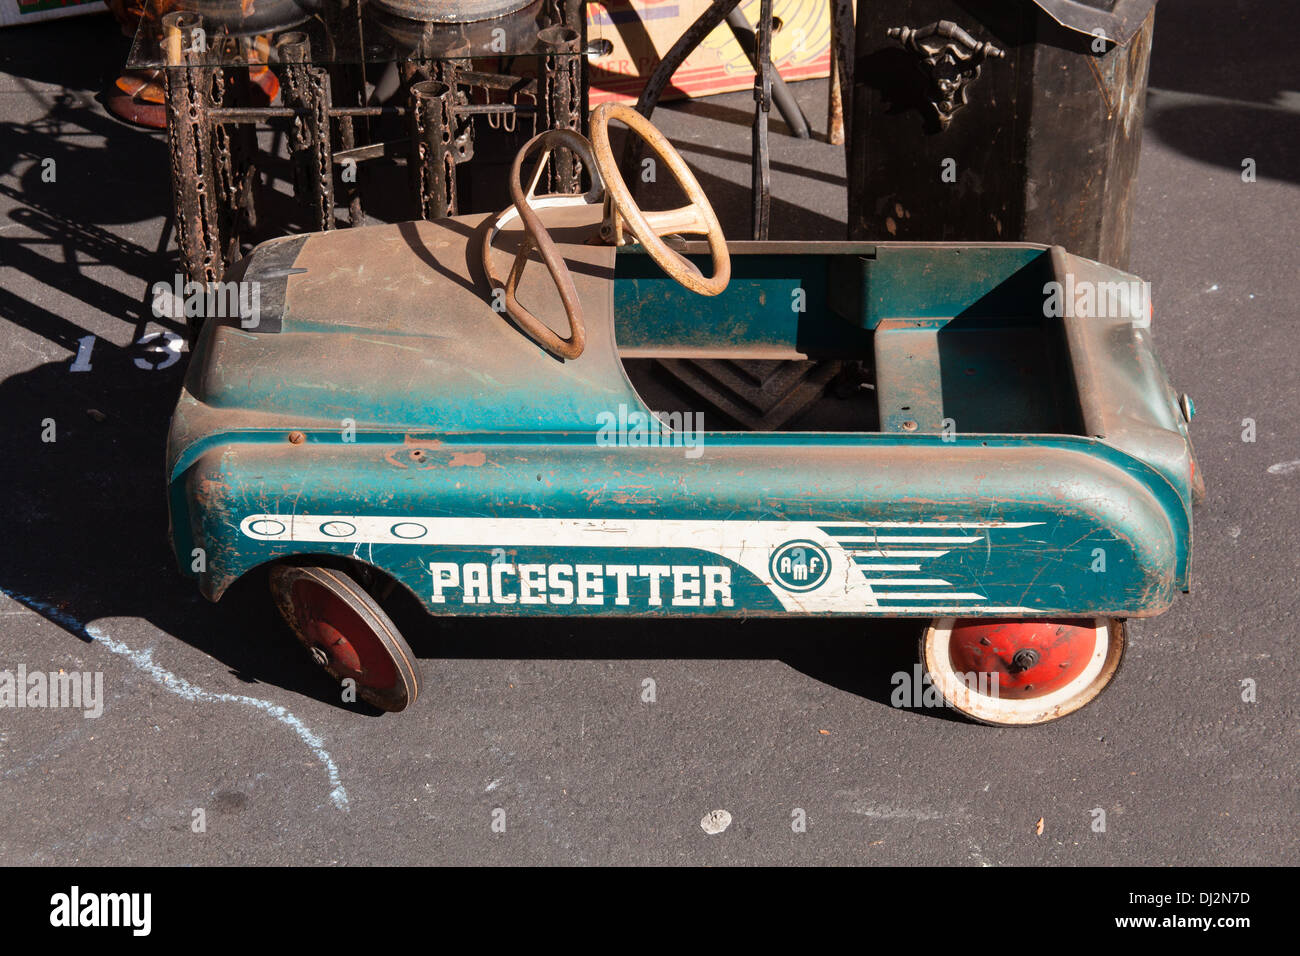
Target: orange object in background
<point>642,31</point>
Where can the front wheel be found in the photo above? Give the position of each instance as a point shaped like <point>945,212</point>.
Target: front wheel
<point>347,633</point>
<point>1018,672</point>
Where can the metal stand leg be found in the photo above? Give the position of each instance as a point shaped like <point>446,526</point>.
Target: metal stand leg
<point>841,81</point>
<point>307,89</point>
<point>348,79</point>
<point>781,95</point>
<point>236,148</point>
<point>562,100</point>
<point>762,177</point>
<point>434,156</point>
<point>659,78</point>
<point>764,78</point>
<point>189,138</point>
<point>575,17</point>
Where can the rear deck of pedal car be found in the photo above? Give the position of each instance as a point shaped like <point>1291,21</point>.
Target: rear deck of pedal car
<point>944,338</point>
<point>950,339</point>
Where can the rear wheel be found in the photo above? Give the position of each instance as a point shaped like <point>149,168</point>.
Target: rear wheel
<point>347,633</point>
<point>1020,672</point>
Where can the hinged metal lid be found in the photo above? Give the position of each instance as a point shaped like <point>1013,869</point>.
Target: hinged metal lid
<point>1117,20</point>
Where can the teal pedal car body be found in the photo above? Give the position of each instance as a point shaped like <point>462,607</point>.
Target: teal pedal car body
<point>1020,476</point>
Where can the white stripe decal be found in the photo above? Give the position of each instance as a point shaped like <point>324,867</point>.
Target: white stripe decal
<point>958,610</point>
<point>747,544</point>
<point>929,524</point>
<point>927,595</point>
<point>877,540</point>
<point>877,582</point>
<point>873,553</point>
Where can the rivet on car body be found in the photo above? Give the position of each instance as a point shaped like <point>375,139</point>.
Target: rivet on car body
<point>296,438</point>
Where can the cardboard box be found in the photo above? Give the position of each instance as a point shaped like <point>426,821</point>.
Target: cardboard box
<point>15,13</point>
<point>641,31</point>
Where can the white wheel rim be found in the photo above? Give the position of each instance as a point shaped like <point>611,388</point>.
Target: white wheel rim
<point>1034,710</point>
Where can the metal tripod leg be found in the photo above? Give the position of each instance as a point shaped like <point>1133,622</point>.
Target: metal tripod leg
<point>781,95</point>
<point>760,166</point>
<point>710,19</point>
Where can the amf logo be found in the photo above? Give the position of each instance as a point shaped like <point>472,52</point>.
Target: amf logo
<point>800,565</point>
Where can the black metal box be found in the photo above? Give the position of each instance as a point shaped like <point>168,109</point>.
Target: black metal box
<point>987,120</point>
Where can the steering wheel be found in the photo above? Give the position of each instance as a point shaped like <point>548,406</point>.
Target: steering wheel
<point>695,218</point>
<point>536,237</point>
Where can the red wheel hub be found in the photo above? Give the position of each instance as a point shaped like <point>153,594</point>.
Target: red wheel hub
<point>1029,658</point>
<point>340,638</point>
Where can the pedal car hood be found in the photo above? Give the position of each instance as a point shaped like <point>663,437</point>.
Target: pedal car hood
<point>392,327</point>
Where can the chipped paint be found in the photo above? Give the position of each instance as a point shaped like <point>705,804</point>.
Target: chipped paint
<point>468,459</point>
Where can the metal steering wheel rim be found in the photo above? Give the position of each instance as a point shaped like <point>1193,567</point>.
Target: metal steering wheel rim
<point>537,237</point>
<point>696,218</point>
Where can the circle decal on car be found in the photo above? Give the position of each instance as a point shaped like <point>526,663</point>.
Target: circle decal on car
<point>338,529</point>
<point>800,565</point>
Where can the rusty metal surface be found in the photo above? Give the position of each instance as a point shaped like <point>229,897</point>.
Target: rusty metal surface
<point>212,122</point>
<point>389,35</point>
<point>456,11</point>
<point>194,176</point>
<point>439,141</point>
<point>306,89</point>
<point>841,78</point>
<point>561,94</point>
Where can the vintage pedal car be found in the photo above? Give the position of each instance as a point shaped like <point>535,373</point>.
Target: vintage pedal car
<point>1020,476</point>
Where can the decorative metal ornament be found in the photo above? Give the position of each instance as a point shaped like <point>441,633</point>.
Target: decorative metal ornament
<point>951,58</point>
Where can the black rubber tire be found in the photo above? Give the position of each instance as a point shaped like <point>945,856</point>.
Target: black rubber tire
<point>404,689</point>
